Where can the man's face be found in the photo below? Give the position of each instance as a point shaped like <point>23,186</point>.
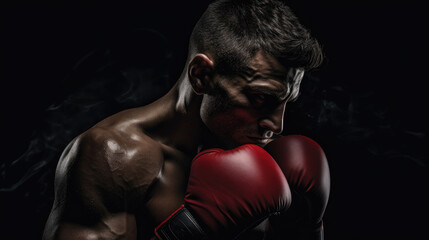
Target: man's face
<point>249,107</point>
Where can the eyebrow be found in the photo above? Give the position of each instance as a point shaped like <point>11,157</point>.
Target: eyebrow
<point>279,94</point>
<point>261,76</point>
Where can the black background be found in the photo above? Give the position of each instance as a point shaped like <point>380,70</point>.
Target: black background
<point>366,106</point>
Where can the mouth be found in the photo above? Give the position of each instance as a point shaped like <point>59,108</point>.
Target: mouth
<point>259,140</point>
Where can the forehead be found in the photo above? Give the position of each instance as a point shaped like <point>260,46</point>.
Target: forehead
<point>266,66</point>
<point>264,74</point>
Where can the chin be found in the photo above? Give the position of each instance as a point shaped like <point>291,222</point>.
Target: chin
<point>246,140</point>
<point>262,145</point>
<point>234,142</point>
<point>231,144</point>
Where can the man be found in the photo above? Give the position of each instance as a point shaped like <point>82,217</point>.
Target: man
<point>137,175</point>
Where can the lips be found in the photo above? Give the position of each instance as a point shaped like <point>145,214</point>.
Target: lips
<point>258,140</point>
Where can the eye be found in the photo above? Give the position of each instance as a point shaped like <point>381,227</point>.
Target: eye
<point>257,99</point>
<point>262,100</point>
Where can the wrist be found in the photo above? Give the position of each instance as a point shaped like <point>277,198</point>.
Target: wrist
<point>180,225</point>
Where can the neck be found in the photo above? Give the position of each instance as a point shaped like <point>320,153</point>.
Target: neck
<point>174,119</point>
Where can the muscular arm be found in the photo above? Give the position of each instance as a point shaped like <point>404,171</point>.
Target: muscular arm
<point>94,196</point>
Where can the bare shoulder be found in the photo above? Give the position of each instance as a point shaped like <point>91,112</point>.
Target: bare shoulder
<point>130,158</point>
<point>101,178</point>
<point>108,166</point>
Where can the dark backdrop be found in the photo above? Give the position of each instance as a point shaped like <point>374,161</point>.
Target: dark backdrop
<point>65,66</point>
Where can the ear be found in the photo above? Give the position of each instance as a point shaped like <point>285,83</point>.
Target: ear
<point>199,71</point>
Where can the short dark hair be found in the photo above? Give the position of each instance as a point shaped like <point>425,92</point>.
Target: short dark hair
<point>232,31</point>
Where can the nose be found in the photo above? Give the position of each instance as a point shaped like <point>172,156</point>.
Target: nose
<point>273,121</point>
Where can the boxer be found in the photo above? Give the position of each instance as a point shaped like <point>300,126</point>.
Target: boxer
<point>191,165</point>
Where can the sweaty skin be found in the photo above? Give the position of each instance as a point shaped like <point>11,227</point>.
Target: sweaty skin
<point>128,173</point>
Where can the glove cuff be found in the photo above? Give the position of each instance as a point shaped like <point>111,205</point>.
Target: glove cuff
<point>180,225</point>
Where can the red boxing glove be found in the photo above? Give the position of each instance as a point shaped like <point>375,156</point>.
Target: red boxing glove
<point>228,192</point>
<point>304,164</point>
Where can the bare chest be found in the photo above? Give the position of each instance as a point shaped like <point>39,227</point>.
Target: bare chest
<point>168,192</point>
<point>165,195</point>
